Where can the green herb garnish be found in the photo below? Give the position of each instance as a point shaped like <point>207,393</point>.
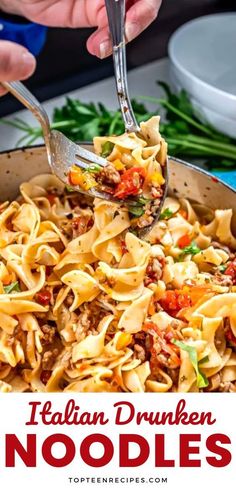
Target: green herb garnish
<point>136,211</point>
<point>202,380</point>
<point>191,249</point>
<point>107,148</point>
<point>14,287</point>
<point>142,201</point>
<point>188,135</point>
<point>69,189</point>
<point>167,213</point>
<point>203,360</point>
<point>222,268</point>
<point>94,168</point>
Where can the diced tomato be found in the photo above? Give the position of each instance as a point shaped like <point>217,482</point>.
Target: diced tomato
<point>175,300</point>
<point>184,301</point>
<point>184,241</point>
<point>43,297</point>
<point>231,271</point>
<point>45,375</point>
<point>230,337</point>
<point>51,198</point>
<point>131,182</point>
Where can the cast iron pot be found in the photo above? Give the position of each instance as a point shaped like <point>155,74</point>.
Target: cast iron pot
<point>186,180</point>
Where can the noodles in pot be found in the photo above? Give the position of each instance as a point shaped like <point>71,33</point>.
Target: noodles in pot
<point>86,306</point>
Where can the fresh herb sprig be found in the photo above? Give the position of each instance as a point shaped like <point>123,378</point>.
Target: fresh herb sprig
<point>187,136</point>
<point>167,213</point>
<point>80,121</point>
<point>14,287</point>
<point>136,211</point>
<point>191,249</point>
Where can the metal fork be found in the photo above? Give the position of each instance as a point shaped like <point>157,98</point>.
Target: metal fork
<point>62,153</point>
<point>116,10</point>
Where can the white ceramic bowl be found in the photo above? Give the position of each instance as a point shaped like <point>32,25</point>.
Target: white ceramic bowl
<point>206,114</point>
<point>203,60</point>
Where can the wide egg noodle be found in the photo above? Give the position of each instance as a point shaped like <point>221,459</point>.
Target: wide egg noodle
<point>133,317</point>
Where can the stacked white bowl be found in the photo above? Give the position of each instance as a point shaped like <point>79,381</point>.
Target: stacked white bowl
<point>203,62</point>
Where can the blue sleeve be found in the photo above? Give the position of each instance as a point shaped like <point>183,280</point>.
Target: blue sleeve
<point>30,35</point>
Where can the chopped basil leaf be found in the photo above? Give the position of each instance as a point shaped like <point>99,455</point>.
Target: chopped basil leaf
<point>167,213</point>
<point>222,268</point>
<point>107,148</point>
<point>136,211</point>
<point>94,168</point>
<point>202,380</point>
<point>191,249</point>
<point>142,201</point>
<point>14,287</point>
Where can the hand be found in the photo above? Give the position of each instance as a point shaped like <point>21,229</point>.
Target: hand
<point>15,63</point>
<point>86,13</point>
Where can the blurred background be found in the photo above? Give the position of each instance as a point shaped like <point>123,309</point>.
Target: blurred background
<point>65,65</point>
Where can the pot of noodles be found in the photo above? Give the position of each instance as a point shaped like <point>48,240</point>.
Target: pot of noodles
<point>87,306</point>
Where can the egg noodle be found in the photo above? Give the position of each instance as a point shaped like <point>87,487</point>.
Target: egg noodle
<point>86,306</point>
<point>135,171</point>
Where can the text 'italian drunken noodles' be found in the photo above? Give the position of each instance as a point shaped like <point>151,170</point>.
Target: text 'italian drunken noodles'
<point>86,306</point>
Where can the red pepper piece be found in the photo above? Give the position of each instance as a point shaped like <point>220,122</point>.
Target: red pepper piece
<point>184,241</point>
<point>43,297</point>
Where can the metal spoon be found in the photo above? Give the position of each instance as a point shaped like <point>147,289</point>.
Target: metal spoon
<point>116,20</point>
